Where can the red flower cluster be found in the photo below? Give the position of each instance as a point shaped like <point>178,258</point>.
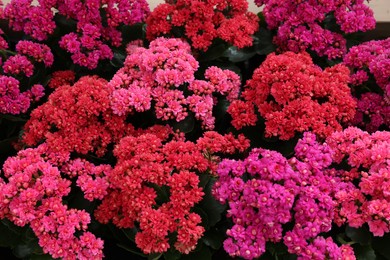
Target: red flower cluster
<point>294,95</point>
<point>204,21</point>
<point>149,162</point>
<point>77,118</point>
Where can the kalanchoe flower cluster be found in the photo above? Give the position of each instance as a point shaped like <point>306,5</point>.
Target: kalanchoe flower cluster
<point>97,21</point>
<point>77,118</point>
<point>371,59</point>
<point>201,22</point>
<point>33,196</point>
<point>294,95</point>
<point>366,197</point>
<point>20,65</point>
<point>373,112</point>
<point>163,76</point>
<point>266,191</point>
<point>62,77</point>
<point>151,158</point>
<point>300,26</point>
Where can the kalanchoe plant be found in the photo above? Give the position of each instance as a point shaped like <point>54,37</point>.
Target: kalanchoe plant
<point>370,65</point>
<point>116,142</point>
<point>162,78</point>
<point>316,25</point>
<point>294,95</point>
<point>202,22</point>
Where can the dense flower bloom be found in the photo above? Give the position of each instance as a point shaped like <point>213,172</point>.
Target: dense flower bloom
<point>294,95</point>
<point>62,77</point>
<point>77,118</point>
<point>204,21</point>
<point>11,100</point>
<point>33,196</point>
<point>98,23</point>
<point>266,191</point>
<point>366,198</point>
<point>373,112</point>
<point>156,158</point>
<point>371,60</point>
<point>164,76</point>
<point>300,24</point>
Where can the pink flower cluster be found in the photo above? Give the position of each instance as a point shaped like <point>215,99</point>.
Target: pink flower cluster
<point>77,118</point>
<point>97,21</point>
<point>163,76</point>
<point>266,191</point>
<point>366,196</point>
<point>17,66</point>
<point>33,195</point>
<point>299,23</point>
<point>294,95</point>
<point>365,60</point>
<point>151,158</point>
<point>201,22</point>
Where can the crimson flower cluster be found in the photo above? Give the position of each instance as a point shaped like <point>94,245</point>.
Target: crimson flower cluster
<point>299,24</point>
<point>201,22</point>
<point>366,196</point>
<point>156,158</point>
<point>163,76</point>
<point>77,118</point>
<point>294,95</point>
<point>92,39</point>
<point>17,66</point>
<point>371,59</point>
<point>33,195</point>
<point>266,191</point>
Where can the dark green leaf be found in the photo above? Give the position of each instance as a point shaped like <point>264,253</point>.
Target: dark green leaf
<point>203,215</point>
<point>237,55</point>
<point>133,32</point>
<point>41,257</point>
<point>381,245</point>
<point>118,59</point>
<point>213,239</point>
<point>10,235</point>
<point>129,233</point>
<point>360,235</point>
<point>364,252</point>
<point>213,53</point>
<point>23,250</point>
<point>210,205</point>
<point>172,254</point>
<point>262,42</point>
<point>186,125</point>
<point>201,253</point>
<point>154,256</point>
<point>131,250</point>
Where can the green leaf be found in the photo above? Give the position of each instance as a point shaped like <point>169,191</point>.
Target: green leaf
<point>118,59</point>
<point>381,245</point>
<point>10,234</point>
<point>172,254</point>
<point>363,252</point>
<point>186,125</point>
<point>213,53</point>
<point>41,257</point>
<point>130,233</point>
<point>237,55</point>
<point>213,239</point>
<point>262,42</point>
<point>154,256</point>
<point>133,32</point>
<point>360,235</point>
<point>132,250</point>
<point>210,205</point>
<point>201,253</point>
<point>22,250</point>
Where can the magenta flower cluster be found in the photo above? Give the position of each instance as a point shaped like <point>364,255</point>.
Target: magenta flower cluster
<point>371,59</point>
<point>163,76</point>
<point>34,195</point>
<point>17,66</point>
<point>279,191</point>
<point>299,24</point>
<point>93,38</point>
